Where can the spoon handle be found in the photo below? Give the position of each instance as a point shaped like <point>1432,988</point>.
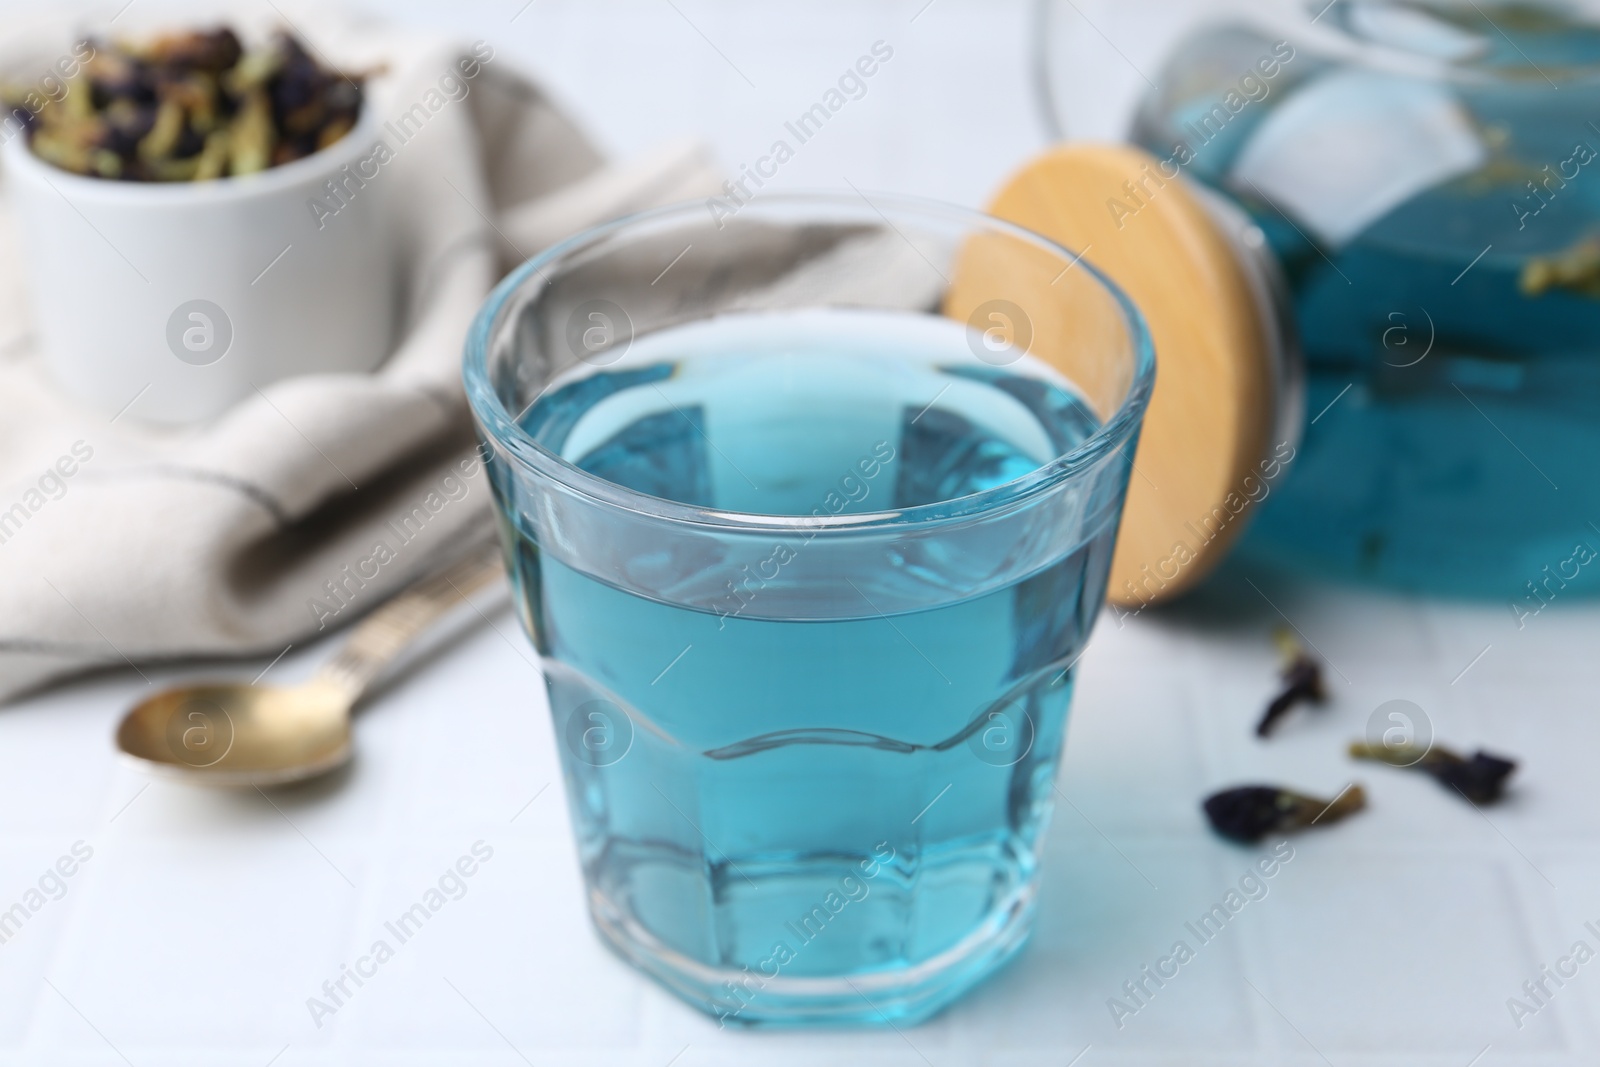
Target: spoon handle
<point>386,632</point>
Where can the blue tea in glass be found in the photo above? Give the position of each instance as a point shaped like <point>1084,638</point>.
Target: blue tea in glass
<point>809,532</point>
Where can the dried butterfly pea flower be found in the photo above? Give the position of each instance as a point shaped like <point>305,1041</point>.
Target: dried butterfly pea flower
<point>124,125</point>
<point>76,105</point>
<point>212,161</point>
<point>162,140</point>
<point>1302,681</point>
<point>113,76</point>
<point>197,95</point>
<point>335,129</point>
<point>1250,812</point>
<point>1480,778</point>
<point>254,70</point>
<point>173,170</point>
<point>214,50</point>
<point>253,135</point>
<point>192,107</point>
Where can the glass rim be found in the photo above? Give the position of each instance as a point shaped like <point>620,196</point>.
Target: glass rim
<point>505,432</point>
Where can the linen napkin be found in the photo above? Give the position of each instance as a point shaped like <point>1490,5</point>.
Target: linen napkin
<point>306,505</point>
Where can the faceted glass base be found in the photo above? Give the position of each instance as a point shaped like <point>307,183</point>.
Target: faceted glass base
<point>905,995</point>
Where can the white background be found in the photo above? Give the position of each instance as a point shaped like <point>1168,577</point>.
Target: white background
<point>204,921</point>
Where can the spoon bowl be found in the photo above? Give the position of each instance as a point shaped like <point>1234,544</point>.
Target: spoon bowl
<point>232,734</point>
<point>240,735</point>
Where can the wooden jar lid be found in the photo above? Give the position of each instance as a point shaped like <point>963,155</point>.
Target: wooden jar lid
<point>1204,452</point>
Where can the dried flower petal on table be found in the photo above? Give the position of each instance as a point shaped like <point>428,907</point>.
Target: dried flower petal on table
<point>1250,812</point>
<point>1302,680</point>
<point>1480,778</point>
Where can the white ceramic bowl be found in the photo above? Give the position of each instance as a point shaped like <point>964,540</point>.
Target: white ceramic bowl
<point>190,295</point>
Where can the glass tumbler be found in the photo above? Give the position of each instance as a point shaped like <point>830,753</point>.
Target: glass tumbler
<point>809,503</point>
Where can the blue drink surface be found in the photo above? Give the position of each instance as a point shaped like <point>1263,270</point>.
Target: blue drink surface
<point>788,759</point>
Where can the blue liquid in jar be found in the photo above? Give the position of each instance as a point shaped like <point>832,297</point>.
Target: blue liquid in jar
<point>1456,397</point>
<point>841,769</point>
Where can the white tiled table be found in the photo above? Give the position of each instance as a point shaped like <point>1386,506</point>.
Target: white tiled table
<point>202,922</point>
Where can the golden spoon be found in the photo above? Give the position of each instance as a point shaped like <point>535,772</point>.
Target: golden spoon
<point>234,734</point>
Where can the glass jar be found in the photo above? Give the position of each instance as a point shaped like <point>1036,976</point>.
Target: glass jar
<point>1427,175</point>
